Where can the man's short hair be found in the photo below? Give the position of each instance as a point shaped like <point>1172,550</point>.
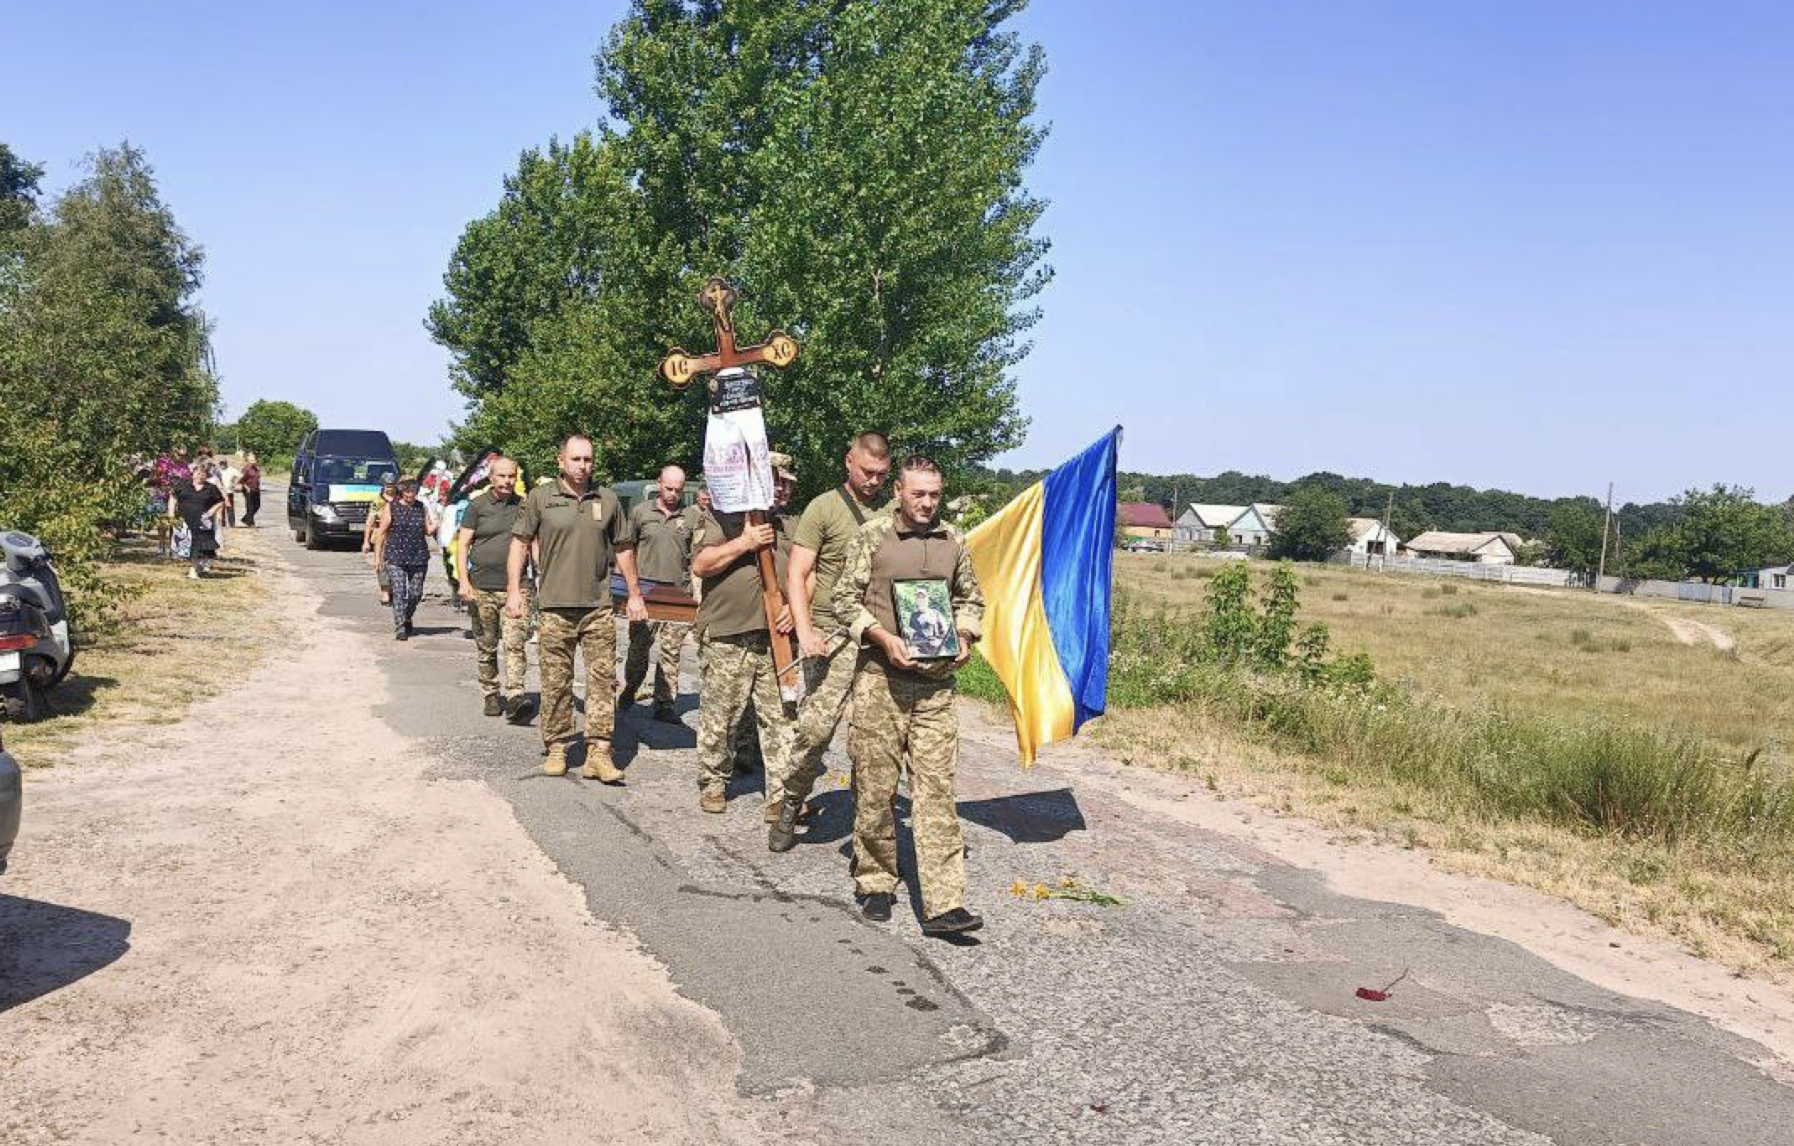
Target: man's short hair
<point>873,444</point>
<point>409,485</point>
<point>501,458</point>
<point>575,436</point>
<point>670,466</point>
<point>917,464</point>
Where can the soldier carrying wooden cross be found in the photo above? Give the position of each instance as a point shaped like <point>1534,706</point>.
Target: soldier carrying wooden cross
<point>743,621</point>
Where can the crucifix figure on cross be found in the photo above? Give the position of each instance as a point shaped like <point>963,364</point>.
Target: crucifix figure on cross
<point>719,298</point>
<point>732,390</point>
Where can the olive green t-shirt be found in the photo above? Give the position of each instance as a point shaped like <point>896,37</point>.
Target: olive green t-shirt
<point>662,544</point>
<point>826,528</point>
<point>732,604</point>
<point>492,522</point>
<point>579,536</point>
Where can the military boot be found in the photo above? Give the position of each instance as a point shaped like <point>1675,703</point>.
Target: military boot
<point>598,767</point>
<point>555,764</point>
<point>713,800</point>
<point>782,836</point>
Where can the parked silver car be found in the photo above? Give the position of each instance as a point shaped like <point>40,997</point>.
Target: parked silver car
<point>12,797</point>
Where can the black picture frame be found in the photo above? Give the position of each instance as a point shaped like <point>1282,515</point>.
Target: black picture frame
<point>923,607</point>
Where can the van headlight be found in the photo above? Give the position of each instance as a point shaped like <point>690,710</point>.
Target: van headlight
<point>324,511</point>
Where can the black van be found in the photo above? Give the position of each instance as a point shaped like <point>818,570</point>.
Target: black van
<point>336,477</point>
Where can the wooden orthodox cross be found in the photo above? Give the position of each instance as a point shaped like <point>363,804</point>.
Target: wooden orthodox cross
<point>778,351</point>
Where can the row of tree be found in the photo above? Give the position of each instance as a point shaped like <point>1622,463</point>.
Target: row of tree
<point>1417,508</point>
<point>855,167</point>
<point>103,352</point>
<point>1715,534</point>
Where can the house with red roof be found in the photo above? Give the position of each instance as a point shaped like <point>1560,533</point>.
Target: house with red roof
<point>1144,519</point>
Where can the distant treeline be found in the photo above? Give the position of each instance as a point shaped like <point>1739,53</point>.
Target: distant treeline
<point>1418,508</point>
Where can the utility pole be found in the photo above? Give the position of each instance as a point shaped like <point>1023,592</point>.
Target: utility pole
<point>1383,557</point>
<point>1606,522</point>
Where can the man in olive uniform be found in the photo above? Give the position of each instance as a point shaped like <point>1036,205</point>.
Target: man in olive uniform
<point>818,552</point>
<point>904,704</point>
<point>578,528</point>
<point>663,531</point>
<point>735,665</point>
<point>481,557</point>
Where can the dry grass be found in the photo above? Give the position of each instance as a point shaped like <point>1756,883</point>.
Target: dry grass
<point>1559,658</point>
<point>176,642</point>
<point>1547,652</point>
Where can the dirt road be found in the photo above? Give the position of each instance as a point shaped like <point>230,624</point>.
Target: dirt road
<point>340,905</point>
<point>264,924</point>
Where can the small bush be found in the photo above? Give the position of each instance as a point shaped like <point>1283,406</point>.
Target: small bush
<point>1430,594</point>
<point>1342,596</point>
<point>1448,590</point>
<point>1458,610</point>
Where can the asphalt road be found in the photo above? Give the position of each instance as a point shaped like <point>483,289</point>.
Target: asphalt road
<point>1216,1006</point>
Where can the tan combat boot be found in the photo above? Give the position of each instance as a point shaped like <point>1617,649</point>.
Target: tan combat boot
<point>712,800</point>
<point>599,767</point>
<point>555,764</point>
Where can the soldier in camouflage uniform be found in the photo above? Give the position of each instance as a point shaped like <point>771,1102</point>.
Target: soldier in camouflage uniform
<point>818,551</point>
<point>663,533</point>
<point>484,547</point>
<point>578,529</point>
<point>902,704</point>
<point>736,663</point>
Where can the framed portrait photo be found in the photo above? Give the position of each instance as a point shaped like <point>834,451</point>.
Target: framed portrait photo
<point>924,611</point>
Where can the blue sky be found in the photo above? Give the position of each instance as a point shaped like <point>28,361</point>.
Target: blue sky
<point>1527,245</point>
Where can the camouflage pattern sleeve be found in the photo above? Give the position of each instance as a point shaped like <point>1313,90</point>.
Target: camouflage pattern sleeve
<point>849,597</point>
<point>968,597</point>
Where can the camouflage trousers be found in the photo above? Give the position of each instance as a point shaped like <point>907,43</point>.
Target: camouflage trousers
<point>594,633</point>
<point>487,615</point>
<point>670,637</point>
<point>894,714</point>
<point>733,671</point>
<point>828,682</point>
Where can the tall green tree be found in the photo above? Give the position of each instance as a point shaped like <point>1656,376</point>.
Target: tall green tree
<point>856,168</point>
<point>102,354</point>
<point>1573,540</point>
<point>1724,531</point>
<point>18,191</point>
<point>274,429</point>
<point>1312,526</point>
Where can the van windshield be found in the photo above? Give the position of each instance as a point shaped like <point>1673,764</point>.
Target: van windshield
<point>351,471</point>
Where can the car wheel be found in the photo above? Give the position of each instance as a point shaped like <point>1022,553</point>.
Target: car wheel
<point>21,702</point>
<point>312,540</point>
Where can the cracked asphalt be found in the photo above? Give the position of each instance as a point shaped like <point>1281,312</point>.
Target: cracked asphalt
<point>1216,1005</point>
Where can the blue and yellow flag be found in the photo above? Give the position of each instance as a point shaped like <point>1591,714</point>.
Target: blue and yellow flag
<point>1044,564</point>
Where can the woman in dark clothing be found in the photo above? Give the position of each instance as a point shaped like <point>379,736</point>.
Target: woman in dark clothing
<point>199,505</point>
<point>252,489</point>
<point>405,527</point>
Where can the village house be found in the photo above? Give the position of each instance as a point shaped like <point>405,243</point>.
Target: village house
<point>1253,527</point>
<point>1246,526</point>
<point>1774,577</point>
<point>1200,522</point>
<point>1370,539</point>
<point>1144,519</point>
<point>1493,548</point>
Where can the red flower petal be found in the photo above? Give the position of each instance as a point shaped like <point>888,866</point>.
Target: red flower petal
<point>1372,994</point>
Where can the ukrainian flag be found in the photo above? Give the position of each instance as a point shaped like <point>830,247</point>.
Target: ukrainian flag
<point>1044,562</point>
